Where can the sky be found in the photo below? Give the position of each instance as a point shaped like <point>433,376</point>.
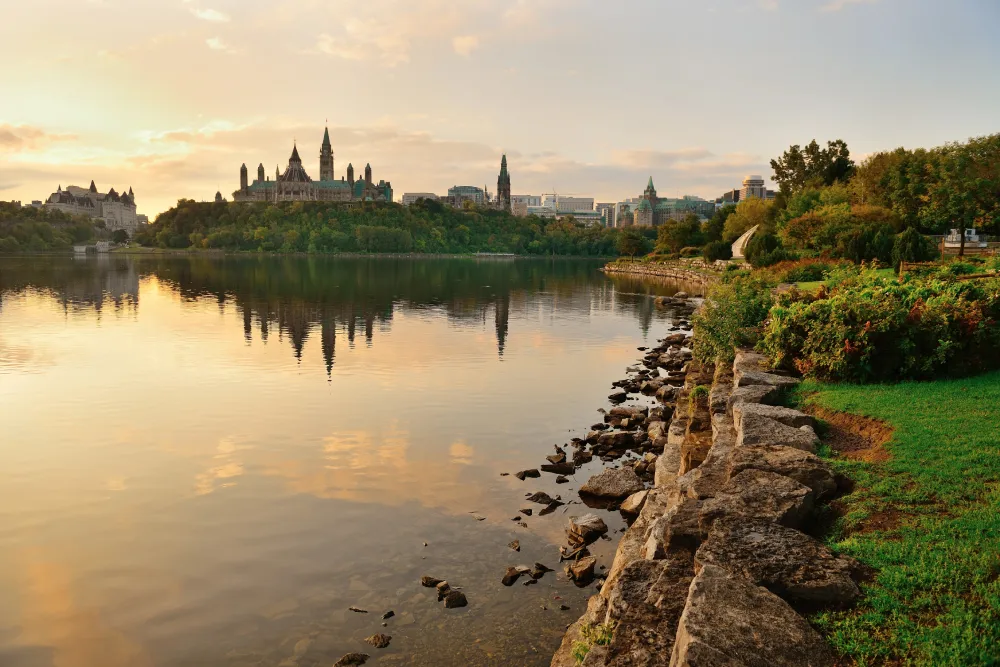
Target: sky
<point>586,97</point>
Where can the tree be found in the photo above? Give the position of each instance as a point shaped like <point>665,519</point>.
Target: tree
<point>119,236</point>
<point>673,235</point>
<point>715,250</point>
<point>749,213</point>
<point>812,166</point>
<point>713,228</point>
<point>632,242</point>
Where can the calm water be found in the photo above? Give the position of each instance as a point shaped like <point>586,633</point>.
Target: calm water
<point>206,461</point>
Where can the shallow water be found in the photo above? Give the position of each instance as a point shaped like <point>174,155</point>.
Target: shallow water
<point>206,461</point>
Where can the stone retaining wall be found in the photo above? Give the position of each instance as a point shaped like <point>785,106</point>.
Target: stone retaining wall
<point>662,270</point>
<point>715,569</point>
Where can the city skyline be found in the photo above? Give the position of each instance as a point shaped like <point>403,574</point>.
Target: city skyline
<point>582,97</point>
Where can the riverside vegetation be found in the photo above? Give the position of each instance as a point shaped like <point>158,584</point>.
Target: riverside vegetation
<point>424,227</point>
<point>36,229</point>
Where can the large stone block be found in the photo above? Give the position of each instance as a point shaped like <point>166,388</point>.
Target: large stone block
<point>760,393</point>
<point>679,528</point>
<point>757,494</point>
<point>730,622</point>
<point>788,563</point>
<point>708,478</point>
<point>756,429</point>
<point>805,468</point>
<point>786,416</point>
<point>668,465</point>
<point>748,378</point>
<point>613,483</point>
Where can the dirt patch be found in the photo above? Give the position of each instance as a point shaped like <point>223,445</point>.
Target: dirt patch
<point>853,436</point>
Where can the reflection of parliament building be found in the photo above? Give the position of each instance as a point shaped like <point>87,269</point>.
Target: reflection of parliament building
<point>296,185</point>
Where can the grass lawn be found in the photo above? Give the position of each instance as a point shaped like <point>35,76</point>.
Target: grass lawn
<point>927,519</point>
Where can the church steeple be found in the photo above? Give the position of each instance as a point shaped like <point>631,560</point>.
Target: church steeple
<point>503,185</point>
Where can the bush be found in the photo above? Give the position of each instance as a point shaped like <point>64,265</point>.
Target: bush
<point>803,270</point>
<point>871,327</point>
<point>717,250</point>
<point>732,316</point>
<point>690,251</point>
<point>765,250</point>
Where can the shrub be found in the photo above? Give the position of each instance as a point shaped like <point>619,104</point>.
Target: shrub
<point>690,251</point>
<point>871,327</point>
<point>732,316</point>
<point>803,270</point>
<point>765,250</point>
<point>717,250</point>
<point>912,246</point>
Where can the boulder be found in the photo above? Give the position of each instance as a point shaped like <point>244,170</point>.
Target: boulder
<point>618,396</point>
<point>629,411</point>
<point>759,393</point>
<point>749,361</point>
<point>656,429</point>
<point>539,497</point>
<point>714,472</point>
<point>559,468</point>
<point>805,468</point>
<point>511,576</point>
<point>786,416</point>
<point>613,483</point>
<point>559,457</point>
<point>615,440</point>
<point>667,393</point>
<point>352,660</point>
<point>678,528</point>
<point>527,473</point>
<point>581,572</point>
<point>788,563</point>
<point>756,429</point>
<point>429,582</point>
<point>633,504</point>
<point>379,640</point>
<point>667,465</point>
<point>585,529</point>
<point>757,494</point>
<point>730,622</point>
<point>749,378</point>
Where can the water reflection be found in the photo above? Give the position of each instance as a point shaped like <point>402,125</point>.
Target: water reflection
<point>214,472</point>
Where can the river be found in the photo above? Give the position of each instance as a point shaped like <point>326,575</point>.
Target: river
<point>209,460</point>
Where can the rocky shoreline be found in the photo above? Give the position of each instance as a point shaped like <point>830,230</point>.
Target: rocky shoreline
<point>715,568</point>
<point>671,271</point>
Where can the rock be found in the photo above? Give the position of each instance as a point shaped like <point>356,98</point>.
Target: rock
<point>527,473</point>
<point>515,545</point>
<point>749,378</point>
<point>786,416</point>
<point>539,571</point>
<point>561,480</point>
<point>479,517</point>
<point>756,429</point>
<point>556,458</point>
<point>656,429</point>
<point>761,495</point>
<point>455,599</point>
<point>633,504</point>
<point>559,468</point>
<point>540,497</point>
<point>730,622</point>
<point>600,426</point>
<point>753,394</point>
<point>629,411</point>
<point>805,468</point>
<point>352,660</point>
<point>387,615</point>
<point>613,483</point>
<point>581,572</point>
<point>788,563</point>
<point>618,396</point>
<point>511,576</point>
<point>581,457</point>
<point>681,295</point>
<point>526,511</point>
<point>357,610</point>
<point>585,530</point>
<point>615,440</point>
<point>550,508</point>
<point>378,641</point>
<point>442,590</point>
<point>678,528</point>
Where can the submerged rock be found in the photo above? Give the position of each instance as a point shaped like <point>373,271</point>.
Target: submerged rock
<point>540,497</point>
<point>352,660</point>
<point>633,504</point>
<point>559,468</point>
<point>455,599</point>
<point>582,571</point>
<point>527,473</point>
<point>429,582</point>
<point>378,641</point>
<point>613,483</point>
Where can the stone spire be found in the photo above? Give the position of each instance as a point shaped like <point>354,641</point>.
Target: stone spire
<point>326,158</point>
<point>368,174</point>
<point>260,172</point>
<point>295,155</point>
<point>503,185</point>
<point>93,188</point>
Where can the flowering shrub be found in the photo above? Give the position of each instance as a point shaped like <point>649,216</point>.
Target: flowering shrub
<point>873,327</point>
<point>803,270</point>
<point>732,316</point>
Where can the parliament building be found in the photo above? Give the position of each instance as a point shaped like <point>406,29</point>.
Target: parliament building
<point>296,185</point>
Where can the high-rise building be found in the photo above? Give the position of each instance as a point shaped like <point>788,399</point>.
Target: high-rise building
<point>410,198</point>
<point>459,194</point>
<point>607,212</point>
<point>527,200</point>
<point>753,186</point>
<point>566,204</point>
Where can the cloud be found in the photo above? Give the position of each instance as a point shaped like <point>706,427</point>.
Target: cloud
<point>654,159</point>
<point>362,39</point>
<point>212,15</point>
<point>217,44</point>
<point>17,138</point>
<point>465,44</point>
<point>837,5</point>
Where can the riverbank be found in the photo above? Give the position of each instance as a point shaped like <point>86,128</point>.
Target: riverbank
<point>694,271</point>
<point>718,561</point>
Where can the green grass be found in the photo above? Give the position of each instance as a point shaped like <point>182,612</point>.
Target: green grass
<point>812,286</point>
<point>935,598</point>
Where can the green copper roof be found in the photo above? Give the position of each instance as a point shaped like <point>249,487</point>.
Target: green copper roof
<point>326,138</point>
<point>644,205</point>
<point>650,185</point>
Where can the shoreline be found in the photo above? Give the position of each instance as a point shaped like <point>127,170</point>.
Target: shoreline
<point>672,271</point>
<point>722,529</point>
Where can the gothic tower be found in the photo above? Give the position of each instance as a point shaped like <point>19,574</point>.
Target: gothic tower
<point>350,175</point>
<point>260,172</point>
<point>503,185</point>
<point>368,174</point>
<point>326,158</point>
<point>243,178</point>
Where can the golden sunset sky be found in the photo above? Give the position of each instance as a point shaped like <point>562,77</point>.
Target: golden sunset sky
<point>586,97</point>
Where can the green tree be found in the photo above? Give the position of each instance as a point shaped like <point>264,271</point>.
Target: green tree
<point>812,166</point>
<point>632,242</point>
<point>673,235</point>
<point>749,213</point>
<point>714,227</point>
